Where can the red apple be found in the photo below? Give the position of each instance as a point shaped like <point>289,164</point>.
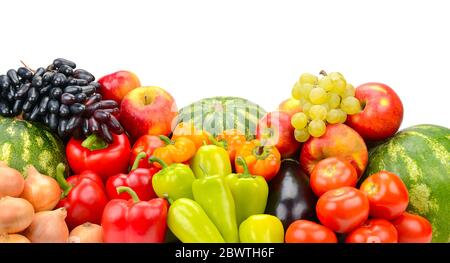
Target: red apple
<point>275,129</point>
<point>338,141</point>
<point>382,112</point>
<point>116,85</point>
<point>148,110</point>
<point>291,106</point>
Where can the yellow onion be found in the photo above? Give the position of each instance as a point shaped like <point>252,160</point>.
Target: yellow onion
<point>11,181</point>
<point>16,214</point>
<point>13,238</point>
<point>48,227</point>
<point>86,233</point>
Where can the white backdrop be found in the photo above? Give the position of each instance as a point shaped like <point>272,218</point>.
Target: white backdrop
<point>253,49</point>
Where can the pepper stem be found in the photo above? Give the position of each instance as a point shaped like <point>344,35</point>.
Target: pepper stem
<point>213,140</point>
<point>94,142</point>
<point>139,157</point>
<point>128,190</point>
<point>203,169</point>
<point>153,159</point>
<point>65,186</point>
<point>166,196</point>
<point>241,161</point>
<point>165,139</point>
<point>261,152</point>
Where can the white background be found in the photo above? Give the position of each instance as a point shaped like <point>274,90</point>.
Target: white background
<point>253,49</point>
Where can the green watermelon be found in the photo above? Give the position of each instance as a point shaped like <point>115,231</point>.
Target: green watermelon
<point>23,143</point>
<point>420,155</point>
<point>222,113</point>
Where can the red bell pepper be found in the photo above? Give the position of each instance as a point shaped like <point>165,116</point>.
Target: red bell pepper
<point>96,155</point>
<point>83,197</point>
<point>134,221</point>
<point>139,179</point>
<point>146,144</point>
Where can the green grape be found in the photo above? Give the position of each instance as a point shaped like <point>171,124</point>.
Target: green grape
<point>296,94</point>
<point>339,82</point>
<point>351,105</point>
<point>317,128</point>
<point>336,75</point>
<point>318,112</point>
<point>349,91</point>
<point>333,100</point>
<point>326,83</point>
<point>326,106</point>
<point>318,96</point>
<point>304,90</point>
<point>306,108</point>
<point>299,120</point>
<point>343,116</point>
<point>308,78</point>
<point>301,135</point>
<point>334,116</point>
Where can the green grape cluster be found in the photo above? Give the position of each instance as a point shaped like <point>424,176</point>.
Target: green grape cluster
<point>325,100</point>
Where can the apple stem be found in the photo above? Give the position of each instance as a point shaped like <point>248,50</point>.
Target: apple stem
<point>323,73</point>
<point>145,99</point>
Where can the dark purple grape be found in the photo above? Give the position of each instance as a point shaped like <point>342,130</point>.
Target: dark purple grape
<point>68,99</point>
<point>111,111</point>
<point>53,106</point>
<point>101,116</point>
<point>11,94</point>
<point>95,84</point>
<point>108,104</point>
<point>83,74</point>
<point>77,108</point>
<point>77,82</point>
<point>46,90</point>
<point>93,99</point>
<point>48,76</point>
<point>4,82</point>
<point>73,123</point>
<point>62,127</point>
<point>105,133</point>
<point>45,119</point>
<point>93,125</point>
<point>22,91</point>
<point>89,90</point>
<point>37,81</point>
<point>114,125</point>
<point>43,105</point>
<point>17,107</point>
<point>85,127</point>
<point>91,109</point>
<point>39,72</point>
<point>13,77</point>
<point>34,113</point>
<point>53,121</point>
<point>66,70</point>
<point>62,61</point>
<point>33,95</point>
<point>5,109</point>
<point>64,111</point>
<point>81,97</point>
<point>73,89</point>
<point>59,80</point>
<point>24,73</point>
<point>27,106</point>
<point>56,93</point>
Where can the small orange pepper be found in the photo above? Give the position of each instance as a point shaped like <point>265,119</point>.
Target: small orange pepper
<point>261,160</point>
<point>231,140</point>
<point>188,130</point>
<point>175,151</point>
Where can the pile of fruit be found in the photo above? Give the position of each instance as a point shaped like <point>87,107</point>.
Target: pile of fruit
<point>113,161</point>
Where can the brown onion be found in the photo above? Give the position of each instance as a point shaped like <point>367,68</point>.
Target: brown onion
<point>48,227</point>
<point>16,214</point>
<point>40,190</point>
<point>86,233</point>
<point>13,238</point>
<point>11,181</point>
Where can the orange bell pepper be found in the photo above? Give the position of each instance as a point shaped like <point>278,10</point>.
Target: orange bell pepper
<point>175,151</point>
<point>230,140</point>
<point>188,130</point>
<point>261,160</point>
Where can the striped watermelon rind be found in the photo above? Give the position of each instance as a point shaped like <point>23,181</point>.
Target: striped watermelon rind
<point>217,114</point>
<point>23,143</point>
<point>420,155</point>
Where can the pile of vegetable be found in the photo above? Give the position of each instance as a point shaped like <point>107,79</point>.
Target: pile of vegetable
<point>132,168</point>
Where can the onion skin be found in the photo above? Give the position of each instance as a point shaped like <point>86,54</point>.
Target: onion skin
<point>48,227</point>
<point>13,238</point>
<point>40,190</point>
<point>11,181</point>
<point>86,233</point>
<point>16,214</point>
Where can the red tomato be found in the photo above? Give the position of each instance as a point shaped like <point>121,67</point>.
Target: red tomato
<point>304,231</point>
<point>343,209</point>
<point>387,194</point>
<point>373,231</point>
<point>413,229</point>
<point>332,173</point>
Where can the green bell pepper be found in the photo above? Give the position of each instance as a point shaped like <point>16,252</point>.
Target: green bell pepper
<point>173,181</point>
<point>213,159</point>
<point>249,192</point>
<point>214,196</point>
<point>261,229</point>
<point>189,223</point>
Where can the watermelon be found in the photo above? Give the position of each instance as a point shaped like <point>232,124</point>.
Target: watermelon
<point>23,143</point>
<point>217,114</point>
<point>420,155</point>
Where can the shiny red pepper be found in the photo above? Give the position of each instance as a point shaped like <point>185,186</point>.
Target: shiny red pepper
<point>146,144</point>
<point>96,155</point>
<point>83,197</point>
<point>139,179</point>
<point>134,221</point>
